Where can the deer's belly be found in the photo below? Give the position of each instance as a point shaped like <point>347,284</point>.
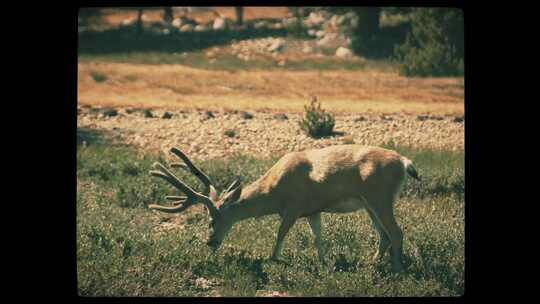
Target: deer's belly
<point>344,206</point>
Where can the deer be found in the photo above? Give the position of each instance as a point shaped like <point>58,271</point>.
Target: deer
<point>335,179</point>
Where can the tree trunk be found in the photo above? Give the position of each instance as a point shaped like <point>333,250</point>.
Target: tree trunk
<point>369,20</point>
<point>139,21</point>
<point>239,15</point>
<point>168,14</point>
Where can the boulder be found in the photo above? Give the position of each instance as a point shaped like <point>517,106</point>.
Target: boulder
<point>177,22</point>
<point>320,34</point>
<point>277,45</point>
<point>343,52</point>
<point>186,28</point>
<point>325,41</point>
<point>260,24</point>
<point>314,18</point>
<point>128,21</point>
<point>219,24</point>
<point>290,21</point>
<point>307,50</point>
<point>200,28</point>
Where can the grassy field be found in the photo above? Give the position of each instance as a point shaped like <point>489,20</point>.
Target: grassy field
<point>124,249</point>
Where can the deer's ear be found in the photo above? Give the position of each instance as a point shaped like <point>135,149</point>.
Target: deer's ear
<point>232,196</point>
<point>235,195</point>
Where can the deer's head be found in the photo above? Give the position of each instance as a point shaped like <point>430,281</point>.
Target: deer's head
<point>215,203</point>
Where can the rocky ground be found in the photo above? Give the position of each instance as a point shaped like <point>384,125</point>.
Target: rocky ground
<point>207,135</point>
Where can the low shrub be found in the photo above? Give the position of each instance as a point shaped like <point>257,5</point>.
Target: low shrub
<point>316,122</point>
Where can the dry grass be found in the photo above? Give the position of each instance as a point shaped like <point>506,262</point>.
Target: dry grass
<point>114,16</point>
<point>179,86</point>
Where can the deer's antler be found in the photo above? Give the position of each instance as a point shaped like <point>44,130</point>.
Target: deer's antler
<point>210,188</point>
<point>182,202</point>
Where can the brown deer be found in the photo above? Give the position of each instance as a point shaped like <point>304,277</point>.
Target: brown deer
<point>336,179</point>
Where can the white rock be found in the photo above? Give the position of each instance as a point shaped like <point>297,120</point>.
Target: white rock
<point>260,24</point>
<point>177,22</point>
<point>219,24</point>
<point>331,35</point>
<point>128,21</point>
<point>186,28</point>
<point>324,41</point>
<point>314,18</point>
<point>312,32</point>
<point>349,15</point>
<point>200,28</point>
<point>290,21</point>
<point>343,52</point>
<point>276,46</point>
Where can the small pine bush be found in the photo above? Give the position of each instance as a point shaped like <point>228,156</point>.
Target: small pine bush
<point>316,122</point>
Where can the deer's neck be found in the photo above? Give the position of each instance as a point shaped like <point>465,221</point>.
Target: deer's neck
<point>253,202</point>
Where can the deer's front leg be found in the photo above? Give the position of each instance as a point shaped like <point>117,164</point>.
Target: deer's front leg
<point>286,223</point>
<point>315,224</point>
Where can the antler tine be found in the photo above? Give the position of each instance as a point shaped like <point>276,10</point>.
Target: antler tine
<point>185,202</point>
<point>176,198</point>
<point>179,165</point>
<point>233,185</point>
<point>196,171</point>
<point>174,209</point>
<point>172,179</point>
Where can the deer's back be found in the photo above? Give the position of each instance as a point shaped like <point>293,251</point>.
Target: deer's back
<point>325,176</point>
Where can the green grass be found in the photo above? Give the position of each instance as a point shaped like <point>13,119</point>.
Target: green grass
<point>120,254</point>
<point>197,59</point>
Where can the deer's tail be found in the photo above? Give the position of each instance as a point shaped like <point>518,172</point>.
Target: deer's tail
<point>410,169</point>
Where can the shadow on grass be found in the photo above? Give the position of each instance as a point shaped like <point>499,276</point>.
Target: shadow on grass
<point>91,136</point>
<point>127,39</point>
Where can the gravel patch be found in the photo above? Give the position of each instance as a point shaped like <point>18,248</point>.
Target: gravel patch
<point>265,134</point>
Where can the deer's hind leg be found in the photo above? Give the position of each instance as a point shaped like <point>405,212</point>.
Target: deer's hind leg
<point>384,240</point>
<point>383,210</point>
